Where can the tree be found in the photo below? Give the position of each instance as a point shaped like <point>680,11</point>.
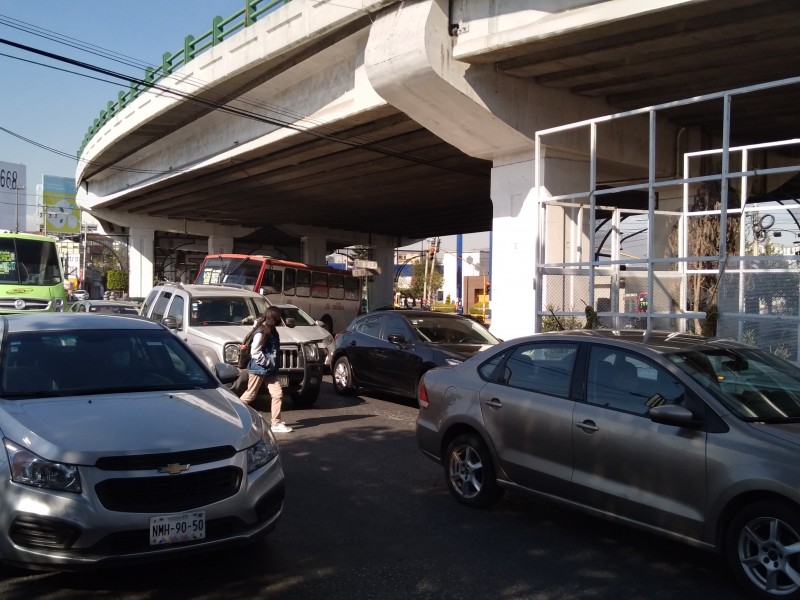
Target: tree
<point>417,286</point>
<point>704,239</point>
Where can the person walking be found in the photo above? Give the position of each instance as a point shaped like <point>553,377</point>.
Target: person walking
<point>263,367</point>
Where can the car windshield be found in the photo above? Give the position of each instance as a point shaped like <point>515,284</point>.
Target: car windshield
<point>753,384</point>
<point>230,310</point>
<point>444,330</point>
<point>301,318</point>
<point>80,362</point>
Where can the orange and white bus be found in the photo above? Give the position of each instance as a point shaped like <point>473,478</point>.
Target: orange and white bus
<point>332,296</point>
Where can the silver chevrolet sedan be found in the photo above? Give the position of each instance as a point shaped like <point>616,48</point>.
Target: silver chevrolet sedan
<point>692,438</point>
<point>120,445</point>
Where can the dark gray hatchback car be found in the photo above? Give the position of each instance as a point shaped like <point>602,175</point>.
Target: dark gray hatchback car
<point>693,438</point>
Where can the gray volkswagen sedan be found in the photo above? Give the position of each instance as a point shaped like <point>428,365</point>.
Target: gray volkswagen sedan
<point>693,438</point>
<point>120,445</point>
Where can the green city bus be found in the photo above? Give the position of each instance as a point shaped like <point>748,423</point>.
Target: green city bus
<point>31,277</point>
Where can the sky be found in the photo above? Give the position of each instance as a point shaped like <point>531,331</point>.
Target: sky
<point>51,104</point>
<point>47,106</point>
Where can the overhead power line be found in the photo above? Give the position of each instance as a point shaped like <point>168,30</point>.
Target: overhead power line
<point>228,109</point>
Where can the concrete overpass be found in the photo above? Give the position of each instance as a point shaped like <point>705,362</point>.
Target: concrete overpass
<point>319,125</point>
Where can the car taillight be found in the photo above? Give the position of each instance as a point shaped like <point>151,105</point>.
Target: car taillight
<point>422,396</point>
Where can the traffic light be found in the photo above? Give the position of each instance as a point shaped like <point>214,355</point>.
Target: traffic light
<point>431,252</point>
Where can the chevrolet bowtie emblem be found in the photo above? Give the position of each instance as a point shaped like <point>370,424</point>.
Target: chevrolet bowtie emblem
<point>174,469</point>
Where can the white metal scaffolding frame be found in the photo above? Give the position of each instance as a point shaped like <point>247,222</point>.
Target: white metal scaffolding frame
<point>584,265</point>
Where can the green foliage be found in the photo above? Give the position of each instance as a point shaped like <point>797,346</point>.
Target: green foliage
<point>551,322</point>
<point>435,280</point>
<point>117,280</point>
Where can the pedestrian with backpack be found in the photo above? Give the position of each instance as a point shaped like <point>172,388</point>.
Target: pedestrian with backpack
<point>264,364</point>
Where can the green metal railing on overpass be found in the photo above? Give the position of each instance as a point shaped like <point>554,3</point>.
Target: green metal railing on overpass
<point>192,47</point>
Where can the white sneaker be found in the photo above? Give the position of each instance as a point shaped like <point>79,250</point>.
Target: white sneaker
<point>281,428</point>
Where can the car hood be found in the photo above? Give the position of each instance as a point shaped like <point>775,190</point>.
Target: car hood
<point>789,431</point>
<point>221,334</point>
<point>306,333</point>
<point>81,429</point>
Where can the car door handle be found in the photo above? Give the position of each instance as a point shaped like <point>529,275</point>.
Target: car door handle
<point>494,403</point>
<point>587,426</point>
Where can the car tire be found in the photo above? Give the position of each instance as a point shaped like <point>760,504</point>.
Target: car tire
<point>342,375</point>
<point>756,549</point>
<point>307,398</point>
<point>469,472</point>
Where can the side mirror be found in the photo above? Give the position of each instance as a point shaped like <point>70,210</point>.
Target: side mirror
<point>170,323</point>
<point>673,414</point>
<point>290,322</point>
<point>226,373</point>
<point>397,339</point>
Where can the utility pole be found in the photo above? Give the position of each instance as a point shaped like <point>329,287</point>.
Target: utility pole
<point>437,242</point>
<point>16,229</point>
<point>425,276</point>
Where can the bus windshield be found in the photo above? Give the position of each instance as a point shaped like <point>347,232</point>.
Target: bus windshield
<point>29,262</point>
<point>31,279</point>
<point>244,272</point>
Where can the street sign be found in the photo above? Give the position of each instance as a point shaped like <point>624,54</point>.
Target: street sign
<point>360,272</point>
<point>365,264</point>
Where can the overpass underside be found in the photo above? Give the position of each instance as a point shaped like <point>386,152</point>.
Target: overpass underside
<point>414,119</point>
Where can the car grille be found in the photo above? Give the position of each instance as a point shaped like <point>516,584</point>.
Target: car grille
<point>169,493</point>
<point>151,462</point>
<point>31,304</point>
<point>292,359</point>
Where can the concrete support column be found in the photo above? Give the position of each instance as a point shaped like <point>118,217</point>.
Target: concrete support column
<point>313,250</point>
<point>380,292</point>
<point>514,241</point>
<point>141,255</point>
<point>218,244</point>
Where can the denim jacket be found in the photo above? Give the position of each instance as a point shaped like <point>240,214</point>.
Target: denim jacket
<point>265,356</point>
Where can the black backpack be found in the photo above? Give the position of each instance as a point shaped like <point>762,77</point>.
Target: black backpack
<point>245,352</point>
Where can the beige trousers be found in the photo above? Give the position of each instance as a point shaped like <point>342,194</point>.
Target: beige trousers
<point>275,393</point>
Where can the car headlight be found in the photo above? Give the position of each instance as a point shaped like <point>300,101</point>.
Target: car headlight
<point>311,351</point>
<point>29,469</point>
<point>262,451</point>
<point>59,305</point>
<point>230,354</point>
<point>327,340</point>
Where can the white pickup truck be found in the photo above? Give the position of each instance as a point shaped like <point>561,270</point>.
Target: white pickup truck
<point>214,319</point>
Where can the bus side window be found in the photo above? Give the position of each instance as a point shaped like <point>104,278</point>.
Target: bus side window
<point>289,282</point>
<point>303,282</point>
<point>272,283</point>
<point>336,287</point>
<point>319,285</point>
<point>352,290</point>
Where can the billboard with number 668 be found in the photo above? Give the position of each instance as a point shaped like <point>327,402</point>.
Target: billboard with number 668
<point>13,204</point>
